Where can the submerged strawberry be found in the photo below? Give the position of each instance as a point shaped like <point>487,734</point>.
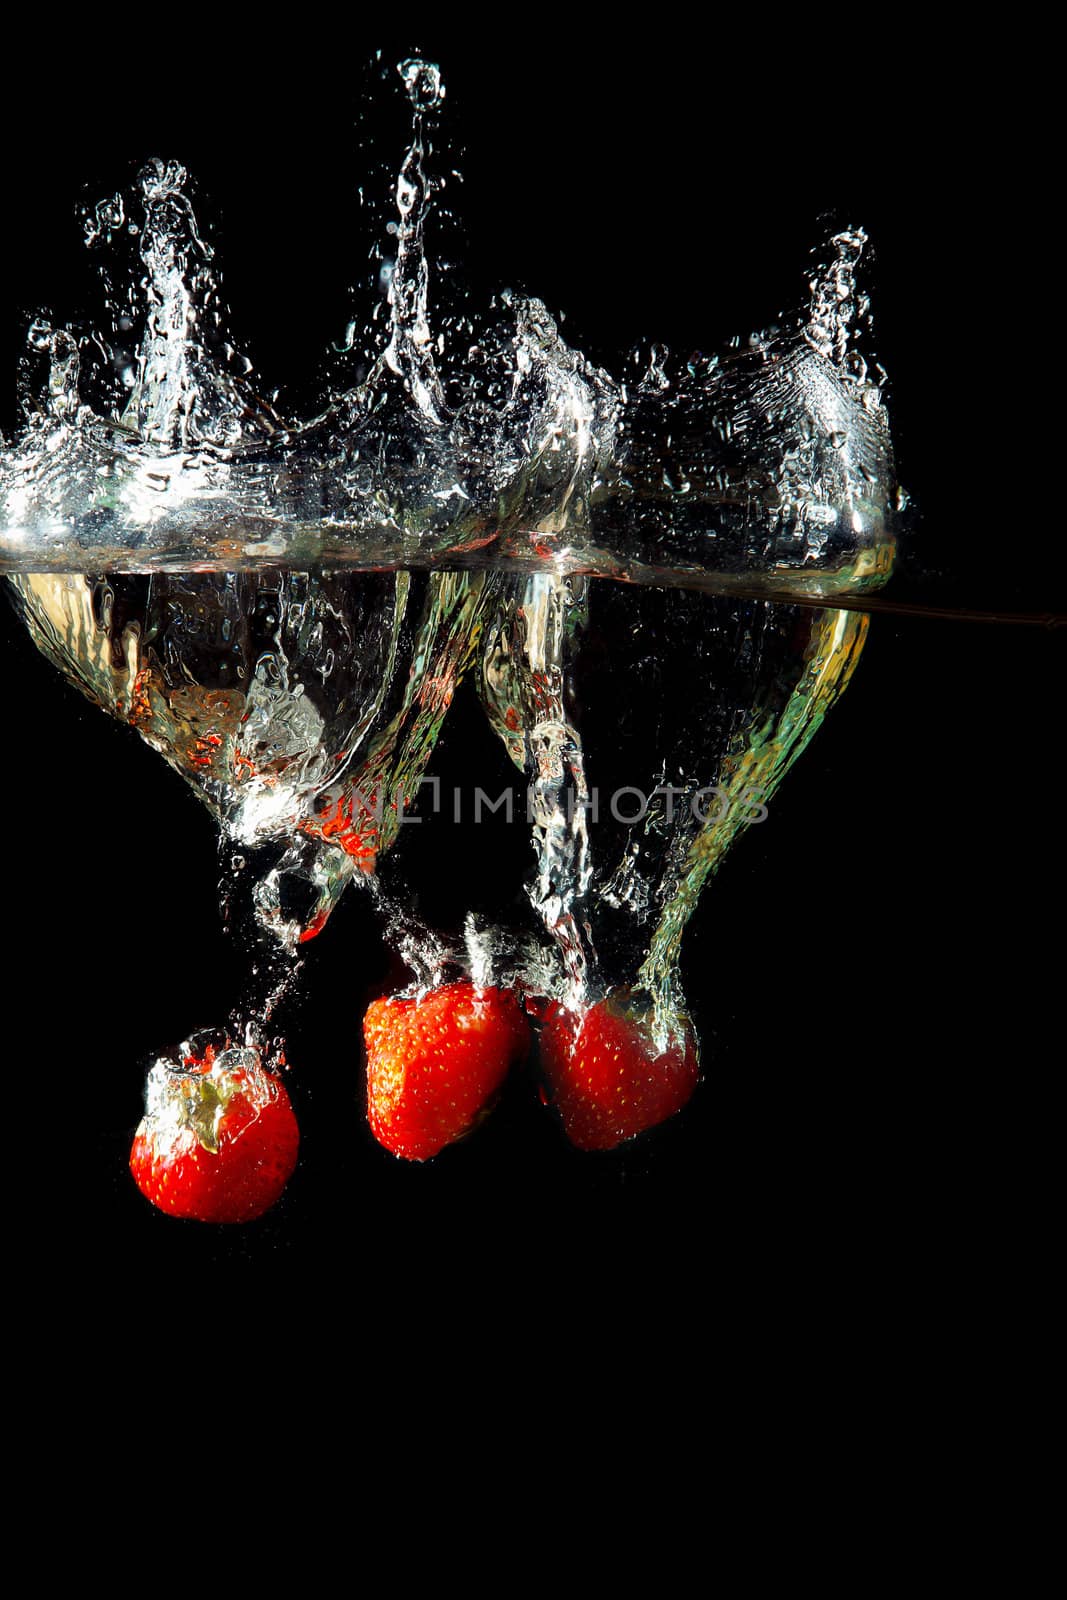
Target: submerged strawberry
<point>609,1079</point>
<point>218,1141</point>
<point>434,1063</point>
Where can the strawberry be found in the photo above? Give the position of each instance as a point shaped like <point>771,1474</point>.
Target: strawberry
<point>218,1140</point>
<point>608,1078</point>
<point>434,1063</point>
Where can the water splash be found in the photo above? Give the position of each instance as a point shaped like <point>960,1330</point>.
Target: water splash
<point>653,727</point>
<point>767,466</point>
<point>302,708</point>
<point>531,640</point>
<point>283,606</point>
<point>410,352</point>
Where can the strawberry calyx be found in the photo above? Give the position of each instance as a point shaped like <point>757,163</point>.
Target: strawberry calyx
<point>195,1097</point>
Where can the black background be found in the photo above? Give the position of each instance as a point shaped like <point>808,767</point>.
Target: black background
<point>865,968</point>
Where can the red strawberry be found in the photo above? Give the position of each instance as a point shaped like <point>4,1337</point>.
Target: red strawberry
<point>434,1063</point>
<point>218,1140</point>
<point>608,1078</point>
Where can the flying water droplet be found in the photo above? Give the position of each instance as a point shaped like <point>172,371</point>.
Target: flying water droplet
<point>104,220</point>
<point>422,80</point>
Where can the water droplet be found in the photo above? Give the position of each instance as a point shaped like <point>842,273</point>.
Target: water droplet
<point>106,217</point>
<point>422,80</point>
